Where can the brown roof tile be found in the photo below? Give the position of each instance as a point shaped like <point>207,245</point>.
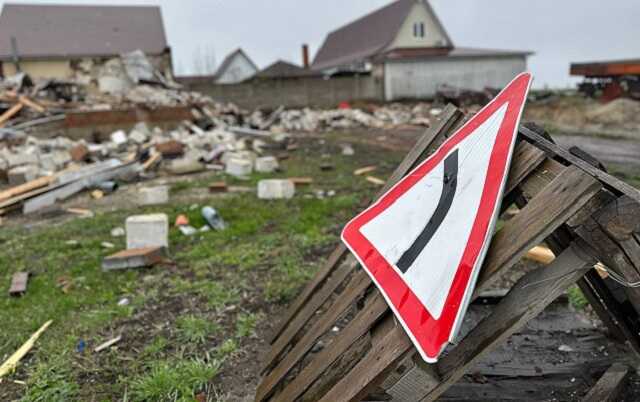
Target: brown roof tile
<point>49,31</point>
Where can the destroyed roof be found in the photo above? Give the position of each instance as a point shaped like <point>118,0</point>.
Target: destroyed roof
<point>229,59</point>
<point>284,69</point>
<point>46,31</point>
<point>368,35</point>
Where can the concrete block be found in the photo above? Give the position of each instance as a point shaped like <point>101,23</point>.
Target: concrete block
<point>147,231</point>
<point>266,164</point>
<point>185,166</point>
<point>275,189</point>
<point>153,195</point>
<point>22,174</point>
<point>138,137</point>
<point>239,167</point>
<point>22,158</point>
<point>119,138</point>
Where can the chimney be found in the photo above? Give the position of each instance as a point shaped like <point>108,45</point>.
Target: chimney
<point>305,56</point>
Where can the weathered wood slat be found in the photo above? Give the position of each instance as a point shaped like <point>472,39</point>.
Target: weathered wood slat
<point>525,300</point>
<point>608,387</point>
<point>526,158</point>
<point>356,286</point>
<point>375,307</point>
<point>451,116</point>
<point>357,384</point>
<point>562,198</point>
<point>551,148</point>
<point>339,276</point>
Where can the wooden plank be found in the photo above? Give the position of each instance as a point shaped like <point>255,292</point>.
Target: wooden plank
<point>133,258</point>
<point>301,319</point>
<point>450,117</point>
<point>356,385</point>
<point>526,158</point>
<point>551,148</point>
<point>608,387</point>
<point>356,286</point>
<point>26,187</point>
<point>527,299</point>
<point>6,116</point>
<point>375,307</point>
<point>19,284</point>
<point>559,200</point>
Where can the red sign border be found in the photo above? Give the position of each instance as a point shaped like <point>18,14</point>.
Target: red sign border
<point>430,336</point>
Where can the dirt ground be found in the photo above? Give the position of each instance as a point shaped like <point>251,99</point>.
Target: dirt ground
<point>196,325</point>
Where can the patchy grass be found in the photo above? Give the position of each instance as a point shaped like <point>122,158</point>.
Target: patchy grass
<point>577,298</point>
<point>194,329</point>
<point>190,321</point>
<point>173,381</point>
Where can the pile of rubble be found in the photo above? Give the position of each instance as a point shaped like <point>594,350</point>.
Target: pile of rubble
<point>314,120</point>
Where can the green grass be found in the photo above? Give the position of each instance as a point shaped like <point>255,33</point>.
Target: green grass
<point>220,283</point>
<point>195,329</point>
<point>173,380</point>
<point>577,298</point>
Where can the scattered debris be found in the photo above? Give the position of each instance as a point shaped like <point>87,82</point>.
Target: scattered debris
<point>10,365</point>
<point>218,187</point>
<point>133,258</point>
<point>272,189</point>
<point>375,180</point>
<point>181,220</point>
<point>107,344</point>
<point>145,231</point>
<point>364,170</point>
<point>347,150</point>
<point>213,218</point>
<point>266,164</point>
<point>19,284</point>
<point>118,232</point>
<point>301,181</point>
<point>106,244</point>
<point>565,349</point>
<point>541,254</point>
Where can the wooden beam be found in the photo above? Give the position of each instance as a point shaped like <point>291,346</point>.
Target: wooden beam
<point>6,116</point>
<point>552,149</point>
<point>527,299</point>
<point>559,200</point>
<point>608,387</point>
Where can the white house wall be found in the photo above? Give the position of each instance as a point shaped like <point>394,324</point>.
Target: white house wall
<point>434,36</point>
<point>420,79</point>
<point>238,70</point>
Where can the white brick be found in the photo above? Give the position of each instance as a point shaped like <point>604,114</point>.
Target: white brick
<point>274,189</point>
<point>266,164</point>
<point>147,231</point>
<point>153,195</point>
<point>239,167</point>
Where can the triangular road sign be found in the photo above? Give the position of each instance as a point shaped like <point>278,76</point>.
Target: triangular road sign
<point>423,242</point>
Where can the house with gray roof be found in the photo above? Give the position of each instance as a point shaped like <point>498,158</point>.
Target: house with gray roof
<point>50,40</point>
<point>406,46</point>
<point>235,68</point>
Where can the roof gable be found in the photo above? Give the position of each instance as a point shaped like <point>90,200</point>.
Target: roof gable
<point>48,31</point>
<point>284,69</point>
<point>236,60</point>
<point>369,35</point>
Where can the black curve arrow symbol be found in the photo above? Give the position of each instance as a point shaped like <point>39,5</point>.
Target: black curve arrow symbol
<point>450,183</point>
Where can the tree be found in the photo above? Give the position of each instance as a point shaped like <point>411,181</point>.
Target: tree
<point>204,60</point>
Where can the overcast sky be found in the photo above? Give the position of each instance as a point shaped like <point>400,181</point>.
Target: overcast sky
<point>558,31</point>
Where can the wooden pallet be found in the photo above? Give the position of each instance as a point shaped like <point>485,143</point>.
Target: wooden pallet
<point>339,340</point>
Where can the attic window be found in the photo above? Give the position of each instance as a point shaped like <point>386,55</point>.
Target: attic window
<point>418,30</point>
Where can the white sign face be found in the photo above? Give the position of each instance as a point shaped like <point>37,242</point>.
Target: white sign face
<point>423,242</point>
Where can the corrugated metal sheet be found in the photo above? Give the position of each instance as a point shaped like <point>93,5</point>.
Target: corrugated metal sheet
<point>420,79</point>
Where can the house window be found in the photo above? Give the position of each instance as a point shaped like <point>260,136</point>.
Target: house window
<point>418,30</point>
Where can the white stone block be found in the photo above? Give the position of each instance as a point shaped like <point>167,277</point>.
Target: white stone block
<point>147,231</point>
<point>239,167</point>
<point>119,137</point>
<point>153,195</point>
<point>266,164</point>
<point>275,189</point>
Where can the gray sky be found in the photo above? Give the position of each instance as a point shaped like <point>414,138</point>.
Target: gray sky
<point>559,31</point>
